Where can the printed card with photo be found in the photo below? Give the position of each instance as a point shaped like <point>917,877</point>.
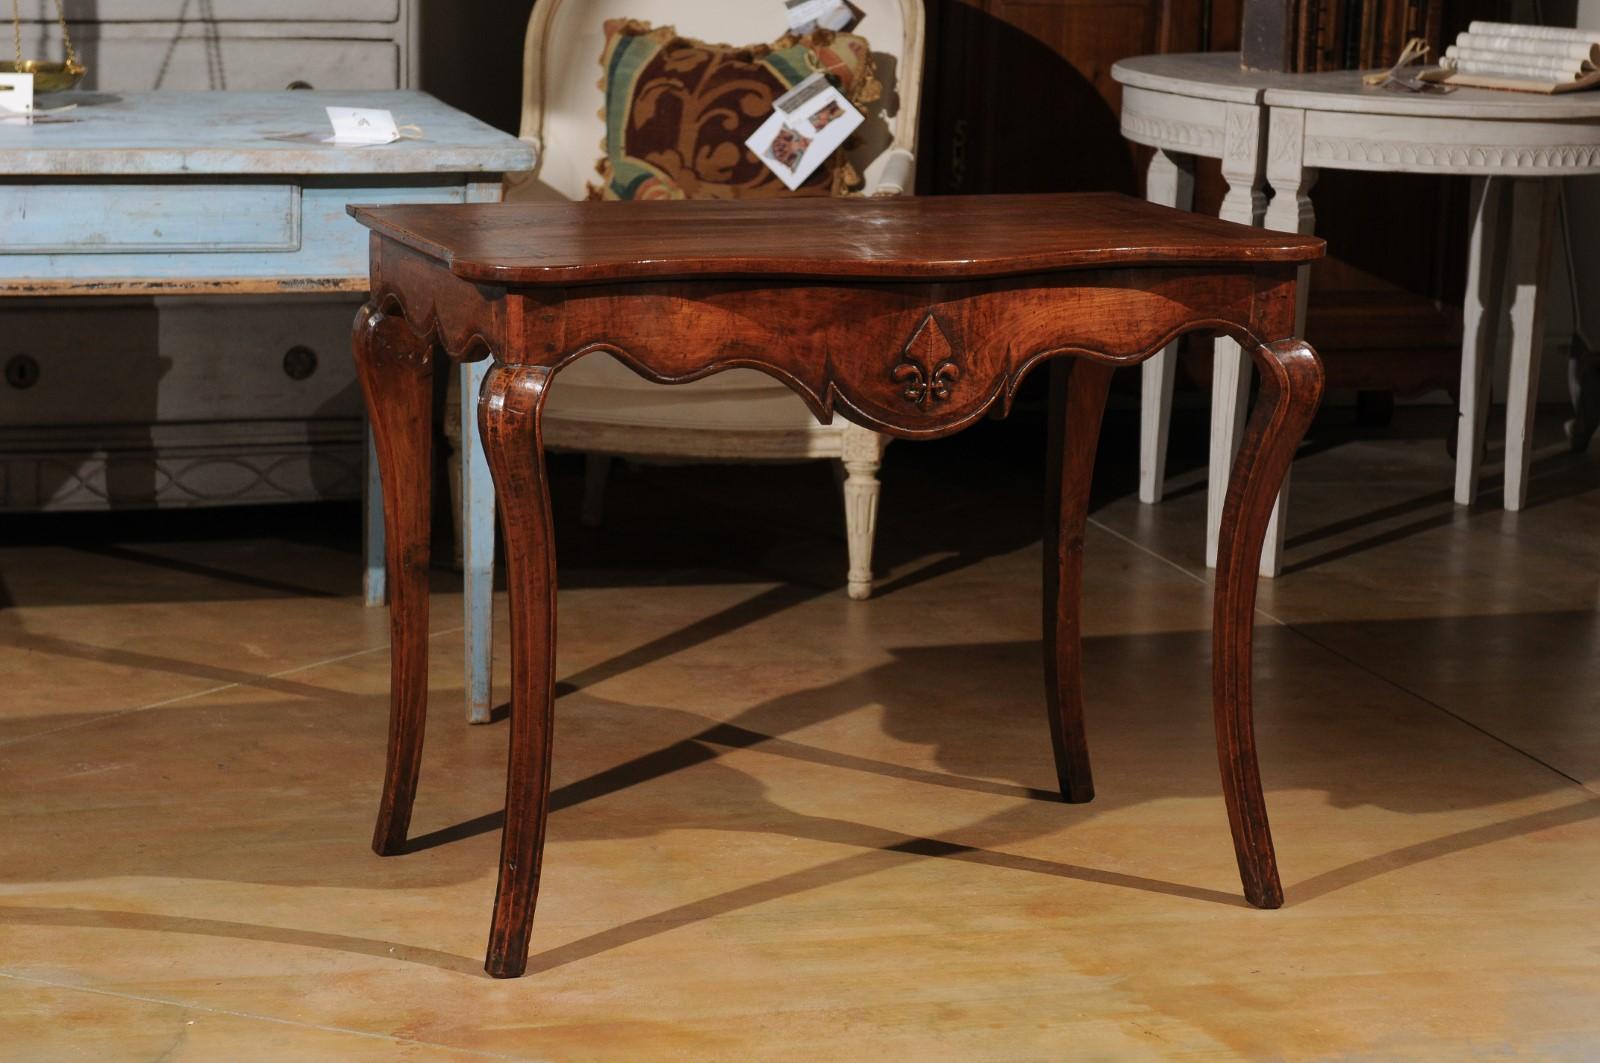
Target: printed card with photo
<point>808,124</point>
<point>807,15</point>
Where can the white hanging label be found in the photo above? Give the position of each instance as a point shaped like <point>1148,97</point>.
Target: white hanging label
<point>809,123</point>
<point>16,93</point>
<point>362,125</point>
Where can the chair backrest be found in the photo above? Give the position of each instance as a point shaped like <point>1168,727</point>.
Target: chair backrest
<point>562,98</point>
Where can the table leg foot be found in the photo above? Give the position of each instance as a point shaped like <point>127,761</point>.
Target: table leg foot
<point>509,414</point>
<point>396,372</point>
<point>1078,392</point>
<point>1291,387</point>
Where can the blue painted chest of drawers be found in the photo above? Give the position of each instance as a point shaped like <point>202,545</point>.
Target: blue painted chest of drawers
<point>169,219</point>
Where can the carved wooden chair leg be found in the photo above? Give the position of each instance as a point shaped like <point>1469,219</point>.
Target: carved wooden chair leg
<point>1078,391</point>
<point>510,412</point>
<point>1291,387</point>
<point>396,371</point>
<point>861,458</point>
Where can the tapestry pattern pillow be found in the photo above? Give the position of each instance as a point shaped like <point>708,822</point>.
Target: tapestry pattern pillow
<point>678,111</point>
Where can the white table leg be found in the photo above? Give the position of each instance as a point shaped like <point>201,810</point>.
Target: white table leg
<point>1170,182</point>
<point>477,520</point>
<point>477,531</point>
<point>374,582</point>
<point>1290,211</point>
<point>1533,205</point>
<point>1480,328</point>
<point>1230,376</point>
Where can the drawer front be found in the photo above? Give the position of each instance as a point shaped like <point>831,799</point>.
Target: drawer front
<point>102,217</point>
<point>243,64</point>
<point>225,11</point>
<point>113,361</point>
<point>331,252</point>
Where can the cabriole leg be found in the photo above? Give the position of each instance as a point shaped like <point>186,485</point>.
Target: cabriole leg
<point>1291,387</point>
<point>396,371</point>
<point>509,412</point>
<point>1078,392</point>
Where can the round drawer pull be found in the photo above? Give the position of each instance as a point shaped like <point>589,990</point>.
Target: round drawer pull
<point>298,84</point>
<point>22,371</point>
<point>299,362</point>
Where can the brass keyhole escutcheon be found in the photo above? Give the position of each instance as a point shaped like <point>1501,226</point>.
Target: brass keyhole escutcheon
<point>22,371</point>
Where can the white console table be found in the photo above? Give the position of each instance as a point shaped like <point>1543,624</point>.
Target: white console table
<point>1279,130</point>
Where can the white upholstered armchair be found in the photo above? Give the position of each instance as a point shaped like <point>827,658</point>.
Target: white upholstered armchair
<point>602,408</point>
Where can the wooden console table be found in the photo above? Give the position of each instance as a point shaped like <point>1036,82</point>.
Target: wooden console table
<point>910,316</point>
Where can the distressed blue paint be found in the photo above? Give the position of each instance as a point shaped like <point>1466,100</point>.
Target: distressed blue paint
<point>75,217</point>
<point>331,244</point>
<point>375,577</point>
<point>478,525</point>
<point>144,134</point>
<point>477,529</point>
<point>180,190</point>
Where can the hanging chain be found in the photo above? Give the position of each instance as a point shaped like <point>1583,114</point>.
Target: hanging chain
<point>66,38</point>
<point>61,17</point>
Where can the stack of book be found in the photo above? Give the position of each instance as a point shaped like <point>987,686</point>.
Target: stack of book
<point>1505,55</point>
<point>1305,36</point>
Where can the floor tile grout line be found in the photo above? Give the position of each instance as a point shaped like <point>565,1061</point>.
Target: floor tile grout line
<point>231,1013</point>
<point>1143,549</point>
<point>1164,559</point>
<point>120,713</point>
<point>1396,684</point>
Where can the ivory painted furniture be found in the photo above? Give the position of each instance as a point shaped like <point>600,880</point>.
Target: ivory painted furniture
<point>1514,144</point>
<point>163,434</point>
<point>912,317</point>
<point>1280,129</point>
<point>1200,105</point>
<point>182,194</point>
<point>603,409</point>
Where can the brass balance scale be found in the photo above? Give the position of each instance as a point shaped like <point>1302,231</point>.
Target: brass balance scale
<point>48,76</point>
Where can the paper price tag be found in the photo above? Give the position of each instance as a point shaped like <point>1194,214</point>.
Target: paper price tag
<point>808,123</point>
<point>807,15</point>
<point>362,125</point>
<point>16,94</point>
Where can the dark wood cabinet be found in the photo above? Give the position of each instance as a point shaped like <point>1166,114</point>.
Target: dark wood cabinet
<point>1018,95</point>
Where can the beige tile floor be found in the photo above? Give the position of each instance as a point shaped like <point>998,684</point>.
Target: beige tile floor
<point>791,826</point>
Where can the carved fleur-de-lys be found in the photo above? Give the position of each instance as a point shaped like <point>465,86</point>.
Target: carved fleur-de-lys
<point>927,369</point>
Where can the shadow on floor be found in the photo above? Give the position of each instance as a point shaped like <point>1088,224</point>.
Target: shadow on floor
<point>640,770</point>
